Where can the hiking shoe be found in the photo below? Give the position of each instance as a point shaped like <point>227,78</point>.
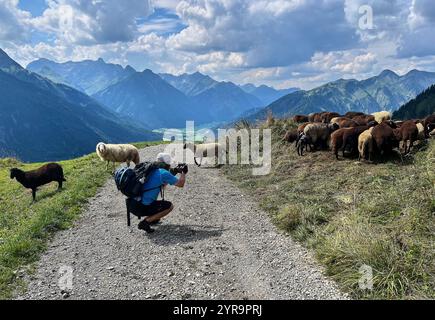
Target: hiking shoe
<point>145,226</point>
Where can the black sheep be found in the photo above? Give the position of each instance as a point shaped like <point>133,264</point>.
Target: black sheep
<point>33,179</point>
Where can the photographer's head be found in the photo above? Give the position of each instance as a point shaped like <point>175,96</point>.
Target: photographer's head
<point>166,159</point>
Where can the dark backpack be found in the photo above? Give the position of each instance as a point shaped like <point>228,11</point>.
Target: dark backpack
<point>130,181</point>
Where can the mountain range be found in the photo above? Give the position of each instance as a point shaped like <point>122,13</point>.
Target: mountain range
<point>158,101</point>
<point>44,121</point>
<point>87,76</point>
<point>267,94</point>
<point>387,91</point>
<point>419,108</point>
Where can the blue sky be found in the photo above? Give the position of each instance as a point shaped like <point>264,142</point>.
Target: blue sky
<point>284,43</point>
<point>35,7</point>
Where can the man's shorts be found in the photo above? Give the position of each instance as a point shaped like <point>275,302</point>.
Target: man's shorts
<point>140,210</point>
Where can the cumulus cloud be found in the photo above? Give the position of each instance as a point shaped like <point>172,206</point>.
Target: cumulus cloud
<point>281,42</point>
<point>93,22</point>
<point>13,21</point>
<point>268,33</point>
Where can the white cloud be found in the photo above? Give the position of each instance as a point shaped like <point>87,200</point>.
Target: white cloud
<point>279,42</point>
<point>93,22</point>
<point>13,22</point>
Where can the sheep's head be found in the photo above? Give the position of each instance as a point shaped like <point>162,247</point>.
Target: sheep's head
<point>372,124</point>
<point>333,127</point>
<point>391,124</point>
<point>14,173</point>
<point>101,147</point>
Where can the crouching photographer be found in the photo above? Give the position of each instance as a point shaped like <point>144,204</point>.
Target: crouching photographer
<point>155,184</point>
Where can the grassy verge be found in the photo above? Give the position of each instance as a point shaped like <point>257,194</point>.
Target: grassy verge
<point>25,227</point>
<point>353,215</point>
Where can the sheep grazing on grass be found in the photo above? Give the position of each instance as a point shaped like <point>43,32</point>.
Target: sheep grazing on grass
<point>408,131</point>
<point>320,133</point>
<point>206,150</point>
<point>366,145</point>
<point>118,153</point>
<point>51,172</point>
<point>350,137</point>
<point>337,141</point>
<point>384,137</point>
<point>382,116</point>
<point>303,143</point>
<point>291,136</point>
<point>300,119</point>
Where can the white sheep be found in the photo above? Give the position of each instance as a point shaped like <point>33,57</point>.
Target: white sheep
<point>366,144</point>
<point>205,150</point>
<point>335,120</point>
<point>421,132</point>
<point>118,153</point>
<point>382,116</point>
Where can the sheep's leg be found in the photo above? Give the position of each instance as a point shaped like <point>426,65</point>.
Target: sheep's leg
<point>60,185</point>
<point>107,165</point>
<point>196,162</point>
<point>34,194</point>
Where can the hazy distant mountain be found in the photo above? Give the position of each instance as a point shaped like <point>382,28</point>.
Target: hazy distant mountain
<point>87,76</point>
<point>387,91</point>
<point>190,84</point>
<point>419,108</point>
<point>43,121</point>
<point>146,97</point>
<point>267,94</point>
<point>224,101</point>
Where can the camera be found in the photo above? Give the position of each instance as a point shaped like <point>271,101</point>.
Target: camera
<point>180,168</point>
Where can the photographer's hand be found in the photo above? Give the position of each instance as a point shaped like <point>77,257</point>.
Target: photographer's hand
<point>181,181</point>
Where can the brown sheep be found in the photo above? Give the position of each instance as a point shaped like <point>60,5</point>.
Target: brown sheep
<point>383,137</point>
<point>318,117</point>
<point>338,119</point>
<point>51,172</point>
<point>350,137</point>
<point>363,120</point>
<point>337,141</point>
<point>353,114</point>
<point>408,131</point>
<point>429,124</point>
<point>291,136</point>
<point>347,123</point>
<point>328,116</point>
<point>300,118</point>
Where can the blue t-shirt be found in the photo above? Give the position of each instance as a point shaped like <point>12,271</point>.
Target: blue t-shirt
<point>156,179</point>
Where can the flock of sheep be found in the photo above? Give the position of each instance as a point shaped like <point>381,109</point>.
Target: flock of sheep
<point>358,133</point>
<point>355,132</point>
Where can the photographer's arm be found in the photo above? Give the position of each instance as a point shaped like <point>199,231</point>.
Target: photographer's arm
<point>181,181</point>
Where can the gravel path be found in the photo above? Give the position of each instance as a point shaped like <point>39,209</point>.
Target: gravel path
<point>217,244</point>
